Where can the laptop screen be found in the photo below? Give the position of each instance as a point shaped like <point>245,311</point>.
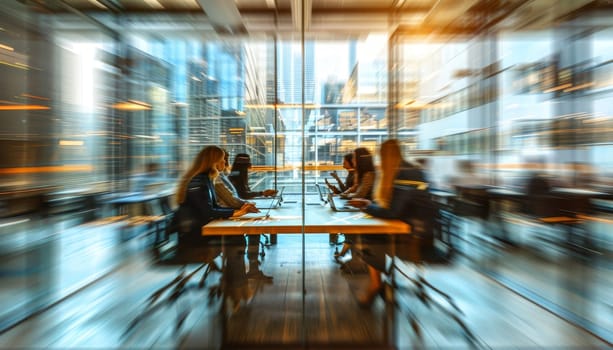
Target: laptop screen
<point>323,193</point>
<point>342,207</point>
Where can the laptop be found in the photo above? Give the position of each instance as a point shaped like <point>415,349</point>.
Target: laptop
<point>323,193</point>
<point>338,204</point>
<point>279,197</point>
<point>277,200</point>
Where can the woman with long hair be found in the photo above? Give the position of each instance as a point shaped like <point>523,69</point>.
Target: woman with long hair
<point>198,206</point>
<point>362,187</point>
<point>349,180</point>
<point>394,169</point>
<point>364,175</point>
<point>240,179</point>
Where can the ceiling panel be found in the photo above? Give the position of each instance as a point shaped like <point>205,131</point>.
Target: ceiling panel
<point>327,18</point>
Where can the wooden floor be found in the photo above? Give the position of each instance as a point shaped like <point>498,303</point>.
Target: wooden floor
<point>311,303</point>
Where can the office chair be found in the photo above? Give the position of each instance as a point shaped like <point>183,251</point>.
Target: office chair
<point>567,214</point>
<point>418,249</point>
<point>169,250</point>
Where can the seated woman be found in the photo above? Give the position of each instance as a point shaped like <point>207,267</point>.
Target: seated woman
<point>198,206</point>
<point>342,186</point>
<point>363,186</point>
<point>349,180</point>
<point>240,179</point>
<point>227,196</point>
<point>364,175</point>
<point>374,247</point>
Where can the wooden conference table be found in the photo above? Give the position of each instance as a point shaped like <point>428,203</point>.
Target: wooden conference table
<point>314,219</point>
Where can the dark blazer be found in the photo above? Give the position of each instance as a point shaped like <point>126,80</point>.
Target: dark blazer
<point>200,207</point>
<point>408,176</point>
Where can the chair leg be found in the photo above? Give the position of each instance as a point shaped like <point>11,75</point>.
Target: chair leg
<point>266,239</point>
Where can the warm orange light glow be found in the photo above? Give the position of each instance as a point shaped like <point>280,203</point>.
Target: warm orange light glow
<point>132,105</point>
<point>6,47</point>
<point>48,169</point>
<point>22,107</point>
<point>579,87</point>
<point>14,65</point>
<point>560,87</point>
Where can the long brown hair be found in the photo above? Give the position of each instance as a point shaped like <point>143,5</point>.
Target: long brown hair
<point>203,163</point>
<point>362,163</point>
<point>391,158</point>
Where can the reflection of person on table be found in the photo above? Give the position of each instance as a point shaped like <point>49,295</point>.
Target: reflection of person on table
<point>240,179</point>
<point>349,180</point>
<point>374,247</point>
<point>198,206</point>
<point>227,196</point>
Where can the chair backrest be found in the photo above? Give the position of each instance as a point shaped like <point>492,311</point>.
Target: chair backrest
<point>416,207</point>
<point>542,206</point>
<point>176,247</point>
<point>472,201</point>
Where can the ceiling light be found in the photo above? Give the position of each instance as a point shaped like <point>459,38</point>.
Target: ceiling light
<point>97,4</point>
<point>71,143</point>
<point>6,47</point>
<point>154,3</point>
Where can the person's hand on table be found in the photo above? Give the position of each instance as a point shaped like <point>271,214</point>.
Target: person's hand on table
<point>246,208</point>
<point>269,192</point>
<point>251,208</point>
<point>359,202</point>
